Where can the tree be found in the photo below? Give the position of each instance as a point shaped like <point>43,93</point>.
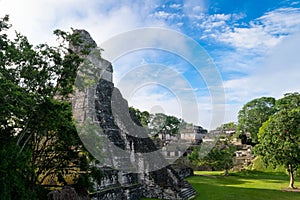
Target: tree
<point>227,126</point>
<point>14,172</point>
<point>220,157</point>
<point>143,117</point>
<point>157,122</point>
<point>160,122</point>
<point>253,114</point>
<point>289,101</point>
<point>35,115</point>
<point>279,140</point>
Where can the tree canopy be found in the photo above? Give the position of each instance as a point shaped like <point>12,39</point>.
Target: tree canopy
<point>253,114</point>
<point>220,157</point>
<point>143,117</point>
<point>157,122</point>
<point>230,126</point>
<point>279,136</point>
<point>39,144</point>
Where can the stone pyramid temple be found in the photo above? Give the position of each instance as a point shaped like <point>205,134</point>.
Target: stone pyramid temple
<point>131,163</point>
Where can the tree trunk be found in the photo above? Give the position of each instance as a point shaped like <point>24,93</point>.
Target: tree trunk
<point>226,169</point>
<point>226,172</point>
<point>291,174</point>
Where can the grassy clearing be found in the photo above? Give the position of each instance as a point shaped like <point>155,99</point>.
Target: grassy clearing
<point>247,185</point>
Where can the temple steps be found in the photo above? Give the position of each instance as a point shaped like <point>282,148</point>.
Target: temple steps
<point>187,191</point>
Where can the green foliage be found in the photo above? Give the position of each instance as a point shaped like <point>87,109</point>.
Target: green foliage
<point>289,101</point>
<point>259,165</point>
<point>14,172</point>
<point>36,123</point>
<point>279,139</point>
<point>279,136</point>
<point>160,122</point>
<point>143,117</point>
<point>157,122</point>
<point>220,157</point>
<point>279,130</point>
<point>227,126</point>
<point>253,114</point>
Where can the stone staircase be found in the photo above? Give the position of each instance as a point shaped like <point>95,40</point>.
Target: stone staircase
<point>187,191</point>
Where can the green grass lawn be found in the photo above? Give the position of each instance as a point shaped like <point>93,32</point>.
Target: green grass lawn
<point>242,186</point>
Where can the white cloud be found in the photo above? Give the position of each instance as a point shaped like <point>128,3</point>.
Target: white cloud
<point>194,7</point>
<point>281,21</point>
<point>249,43</point>
<point>295,3</point>
<point>166,15</point>
<point>211,23</point>
<point>265,51</point>
<point>175,6</point>
<point>281,69</point>
<point>220,17</point>
<point>180,24</point>
<point>37,19</point>
<point>264,32</point>
<point>254,37</point>
<point>276,75</point>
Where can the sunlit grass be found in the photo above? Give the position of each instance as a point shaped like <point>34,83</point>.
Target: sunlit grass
<point>212,173</point>
<point>247,185</point>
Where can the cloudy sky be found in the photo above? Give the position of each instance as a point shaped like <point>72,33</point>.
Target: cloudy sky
<point>249,47</point>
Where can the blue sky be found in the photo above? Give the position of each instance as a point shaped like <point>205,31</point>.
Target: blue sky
<point>253,44</point>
